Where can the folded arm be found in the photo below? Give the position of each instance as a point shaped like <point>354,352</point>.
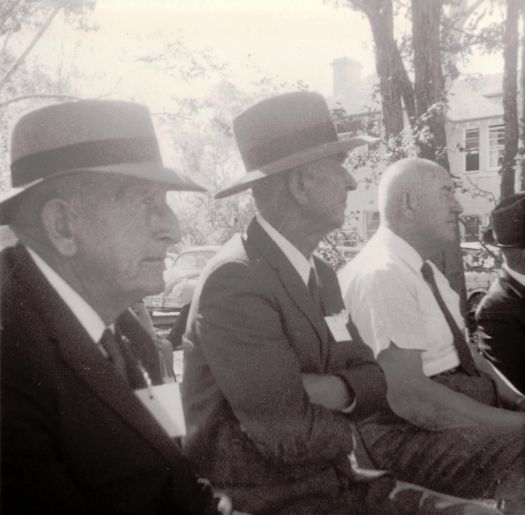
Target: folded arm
<point>430,405</point>
<point>242,337</point>
<point>357,383</point>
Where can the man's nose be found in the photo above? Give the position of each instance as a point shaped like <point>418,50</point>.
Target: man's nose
<point>167,225</point>
<point>456,207</point>
<point>350,182</point>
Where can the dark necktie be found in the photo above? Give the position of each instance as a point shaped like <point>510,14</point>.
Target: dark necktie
<point>465,357</point>
<point>313,288</point>
<point>110,344</point>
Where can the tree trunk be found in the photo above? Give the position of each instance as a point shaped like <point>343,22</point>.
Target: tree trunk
<point>510,103</point>
<point>429,84</point>
<point>380,16</point>
<point>431,138</point>
<point>394,82</point>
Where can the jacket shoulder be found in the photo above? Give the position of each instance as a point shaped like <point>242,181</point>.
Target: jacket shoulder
<point>500,298</point>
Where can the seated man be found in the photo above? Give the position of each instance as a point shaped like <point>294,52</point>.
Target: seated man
<point>457,427</point>
<point>501,314</point>
<point>88,206</point>
<point>272,378</point>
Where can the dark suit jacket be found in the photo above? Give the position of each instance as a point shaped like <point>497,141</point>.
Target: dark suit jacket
<point>74,437</point>
<point>253,329</point>
<point>501,321</point>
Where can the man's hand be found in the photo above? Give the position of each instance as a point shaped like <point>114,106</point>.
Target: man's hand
<point>224,503</point>
<point>327,390</point>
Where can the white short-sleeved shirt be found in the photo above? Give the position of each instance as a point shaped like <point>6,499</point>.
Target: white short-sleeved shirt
<point>389,301</point>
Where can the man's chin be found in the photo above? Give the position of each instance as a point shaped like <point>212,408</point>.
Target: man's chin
<point>152,286</point>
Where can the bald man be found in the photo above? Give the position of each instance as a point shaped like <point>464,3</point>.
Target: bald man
<point>456,423</point>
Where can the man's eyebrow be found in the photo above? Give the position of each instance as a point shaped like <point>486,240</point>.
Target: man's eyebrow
<point>447,188</point>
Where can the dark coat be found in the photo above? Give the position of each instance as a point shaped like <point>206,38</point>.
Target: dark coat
<point>253,329</point>
<point>75,439</point>
<point>501,320</point>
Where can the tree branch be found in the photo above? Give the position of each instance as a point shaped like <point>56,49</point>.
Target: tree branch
<point>30,47</point>
<point>37,95</point>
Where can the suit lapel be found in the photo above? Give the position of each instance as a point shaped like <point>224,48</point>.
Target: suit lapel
<point>82,356</point>
<point>260,245</point>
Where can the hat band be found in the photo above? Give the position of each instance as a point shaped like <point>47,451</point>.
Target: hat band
<point>285,145</point>
<point>87,154</point>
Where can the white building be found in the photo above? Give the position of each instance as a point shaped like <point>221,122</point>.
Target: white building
<point>475,136</point>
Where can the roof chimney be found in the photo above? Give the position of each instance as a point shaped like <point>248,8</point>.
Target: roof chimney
<point>345,72</point>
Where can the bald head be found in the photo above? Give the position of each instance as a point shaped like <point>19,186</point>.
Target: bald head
<point>407,180</point>
<point>417,202</point>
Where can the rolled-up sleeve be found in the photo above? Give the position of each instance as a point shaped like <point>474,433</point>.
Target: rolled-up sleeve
<point>385,310</point>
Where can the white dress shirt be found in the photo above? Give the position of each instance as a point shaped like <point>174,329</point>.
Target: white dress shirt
<point>82,311</point>
<point>298,261</point>
<point>389,301</point>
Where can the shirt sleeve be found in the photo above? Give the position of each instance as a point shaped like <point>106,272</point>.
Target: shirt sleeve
<point>385,308</point>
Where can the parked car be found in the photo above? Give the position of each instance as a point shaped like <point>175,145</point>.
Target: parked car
<point>180,279</point>
<point>169,260</point>
<point>348,253</point>
<point>481,265</point>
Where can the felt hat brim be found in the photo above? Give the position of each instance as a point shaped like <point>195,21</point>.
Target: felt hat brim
<point>287,163</point>
<point>488,238</point>
<point>151,172</point>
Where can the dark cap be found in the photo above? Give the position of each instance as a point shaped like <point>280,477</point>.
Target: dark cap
<point>508,223</point>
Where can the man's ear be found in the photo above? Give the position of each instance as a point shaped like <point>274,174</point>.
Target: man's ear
<point>407,206</point>
<point>60,221</point>
<point>297,186</point>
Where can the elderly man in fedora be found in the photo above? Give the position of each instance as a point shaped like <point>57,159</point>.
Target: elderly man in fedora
<point>501,314</point>
<point>274,373</point>
<point>88,206</point>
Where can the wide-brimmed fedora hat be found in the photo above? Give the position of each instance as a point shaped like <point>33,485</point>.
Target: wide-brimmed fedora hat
<point>284,132</point>
<point>82,137</point>
<point>507,223</point>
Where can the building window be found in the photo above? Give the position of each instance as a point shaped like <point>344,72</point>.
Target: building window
<point>371,223</point>
<point>471,225</point>
<point>496,144</point>
<point>472,150</point>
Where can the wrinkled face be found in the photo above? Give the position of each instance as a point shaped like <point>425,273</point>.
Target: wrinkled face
<point>437,208</point>
<point>327,182</point>
<point>124,233</point>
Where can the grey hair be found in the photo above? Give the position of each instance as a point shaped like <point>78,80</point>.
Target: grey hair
<point>271,195</point>
<point>25,218</point>
<point>404,176</point>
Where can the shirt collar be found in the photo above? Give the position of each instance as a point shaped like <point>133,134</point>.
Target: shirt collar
<point>401,248</point>
<point>298,261</point>
<point>515,275</point>
<point>85,314</point>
